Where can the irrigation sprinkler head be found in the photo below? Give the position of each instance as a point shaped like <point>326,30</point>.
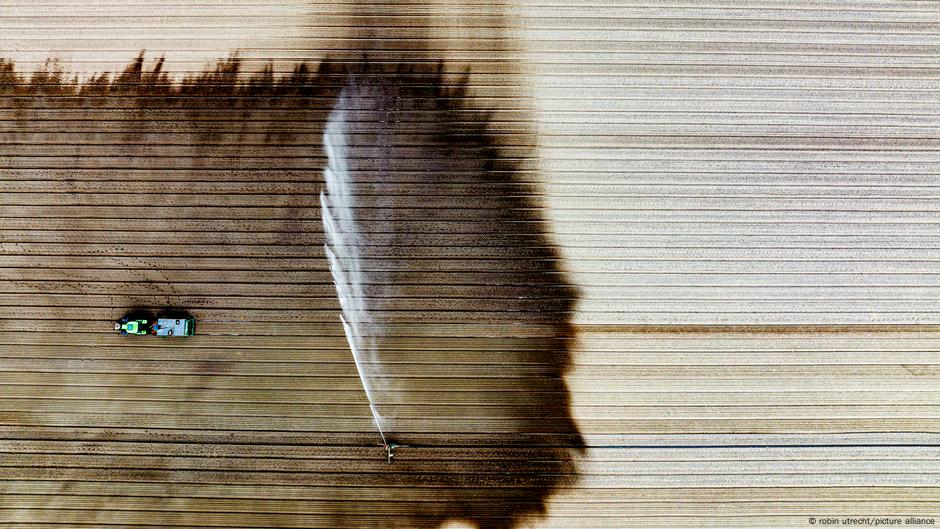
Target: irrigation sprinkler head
<point>390,451</point>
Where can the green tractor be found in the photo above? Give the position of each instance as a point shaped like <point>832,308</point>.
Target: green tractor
<point>141,326</point>
<point>136,327</point>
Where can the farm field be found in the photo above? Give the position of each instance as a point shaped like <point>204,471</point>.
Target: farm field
<point>633,264</point>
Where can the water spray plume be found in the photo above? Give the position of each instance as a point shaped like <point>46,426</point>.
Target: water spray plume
<point>344,237</point>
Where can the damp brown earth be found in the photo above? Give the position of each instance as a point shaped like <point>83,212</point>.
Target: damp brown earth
<point>203,194</point>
